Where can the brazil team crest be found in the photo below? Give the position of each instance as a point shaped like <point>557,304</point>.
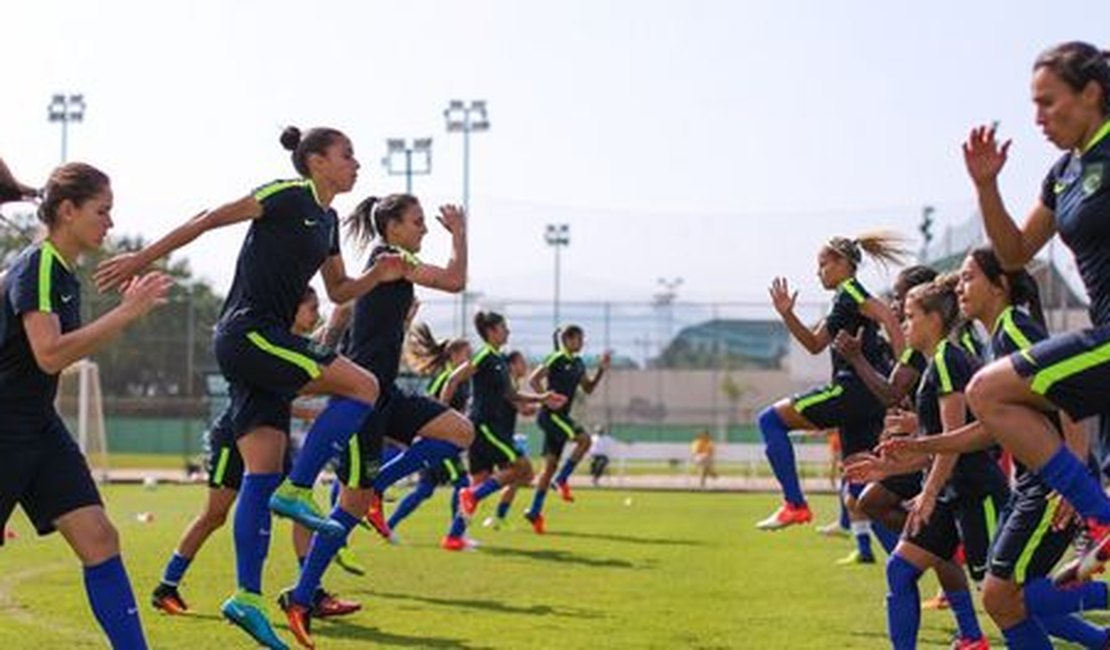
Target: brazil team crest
<point>1092,178</point>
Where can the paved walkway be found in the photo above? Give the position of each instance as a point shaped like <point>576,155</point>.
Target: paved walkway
<point>672,482</point>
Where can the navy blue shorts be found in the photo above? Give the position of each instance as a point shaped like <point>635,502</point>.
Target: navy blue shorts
<point>558,430</point>
<point>449,471</point>
<point>223,462</point>
<point>1072,370</point>
<point>968,519</point>
<point>845,405</point>
<point>399,415</point>
<point>905,486</point>
<point>493,448</point>
<point>48,477</point>
<point>265,368</point>
<point>1027,547</point>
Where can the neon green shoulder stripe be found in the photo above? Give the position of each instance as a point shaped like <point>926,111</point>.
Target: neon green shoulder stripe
<point>46,277</point>
<point>1099,135</point>
<point>1013,331</point>
<point>271,189</point>
<point>907,356</point>
<point>553,357</point>
<point>942,368</point>
<point>852,288</point>
<point>482,354</point>
<point>437,385</point>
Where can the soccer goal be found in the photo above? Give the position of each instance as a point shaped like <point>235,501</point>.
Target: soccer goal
<point>82,407</point>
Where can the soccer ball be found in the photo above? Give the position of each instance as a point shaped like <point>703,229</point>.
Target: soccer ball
<point>150,482</point>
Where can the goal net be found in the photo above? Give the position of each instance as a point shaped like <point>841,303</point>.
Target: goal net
<point>81,406</point>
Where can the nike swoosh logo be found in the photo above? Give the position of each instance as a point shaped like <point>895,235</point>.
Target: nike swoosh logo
<point>131,611</point>
<point>67,298</point>
<point>1059,187</point>
<point>309,222</point>
<point>263,532</point>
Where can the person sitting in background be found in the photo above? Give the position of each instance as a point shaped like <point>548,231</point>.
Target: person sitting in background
<point>599,453</point>
<point>702,452</point>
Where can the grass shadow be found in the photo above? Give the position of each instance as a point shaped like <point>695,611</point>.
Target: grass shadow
<point>628,539</point>
<point>490,605</point>
<point>338,629</point>
<point>561,557</point>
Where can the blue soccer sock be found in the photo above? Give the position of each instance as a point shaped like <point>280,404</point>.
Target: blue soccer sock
<point>462,483</point>
<point>503,509</point>
<point>887,538</point>
<point>175,570</point>
<point>1044,599</point>
<point>488,487</point>
<point>252,528</point>
<point>903,603</point>
<point>1073,481</point>
<point>537,503</point>
<point>113,604</point>
<point>1076,630</point>
<point>1027,635</point>
<point>862,532</point>
<point>564,473</point>
<point>341,419</point>
<point>963,609</point>
<point>458,527</point>
<point>320,555</point>
<point>422,454</point>
<point>845,522</point>
<point>780,452</point>
<point>412,501</point>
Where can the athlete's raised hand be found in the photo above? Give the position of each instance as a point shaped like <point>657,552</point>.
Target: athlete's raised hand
<point>143,293</point>
<point>983,155</point>
<point>453,218</point>
<point>118,271</point>
<point>606,360</point>
<point>781,297</point>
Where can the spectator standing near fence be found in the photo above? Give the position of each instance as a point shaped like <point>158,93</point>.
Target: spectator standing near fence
<point>600,452</point>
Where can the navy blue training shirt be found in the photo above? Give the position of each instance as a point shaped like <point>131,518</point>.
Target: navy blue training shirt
<point>846,315</point>
<point>38,280</point>
<point>377,333</point>
<point>491,386</point>
<point>283,249</point>
<point>564,373</point>
<point>1077,190</point>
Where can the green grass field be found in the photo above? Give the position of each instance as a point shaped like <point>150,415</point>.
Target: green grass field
<point>663,570</point>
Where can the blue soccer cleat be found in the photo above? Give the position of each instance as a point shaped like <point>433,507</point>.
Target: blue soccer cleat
<point>248,611</point>
<point>296,503</point>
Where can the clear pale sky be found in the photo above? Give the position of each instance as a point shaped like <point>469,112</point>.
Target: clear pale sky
<point>720,142</point>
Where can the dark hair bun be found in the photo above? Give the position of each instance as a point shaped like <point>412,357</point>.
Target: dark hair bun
<point>291,138</point>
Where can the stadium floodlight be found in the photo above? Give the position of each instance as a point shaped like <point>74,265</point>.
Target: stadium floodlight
<point>557,236</point>
<point>403,158</point>
<point>65,108</point>
<point>464,118</point>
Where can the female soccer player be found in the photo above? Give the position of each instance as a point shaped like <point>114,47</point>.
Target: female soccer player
<point>1071,92</point>
<point>427,356</point>
<point>518,371</point>
<point>293,234</point>
<point>432,431</point>
<point>845,402</point>
<point>962,494</point>
<point>225,476</point>
<point>493,412</point>
<point>40,334</point>
<point>563,371</point>
<point>881,501</point>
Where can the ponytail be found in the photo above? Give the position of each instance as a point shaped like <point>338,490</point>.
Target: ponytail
<point>424,354</point>
<point>370,216</point>
<point>884,247</point>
